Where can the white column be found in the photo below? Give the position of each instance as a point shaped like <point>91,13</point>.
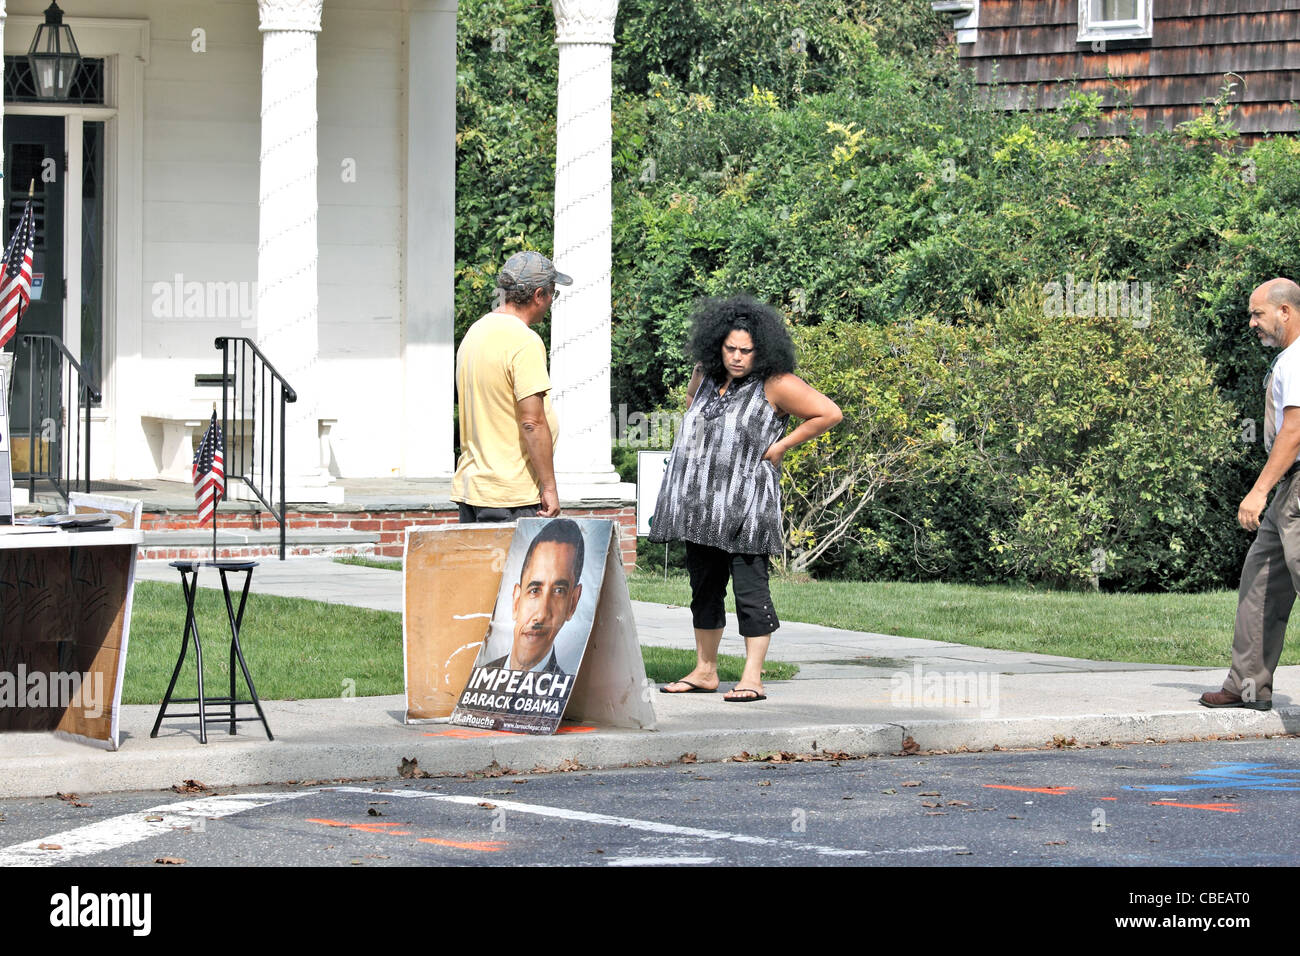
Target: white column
<point>287,248</point>
<point>429,324</point>
<point>580,323</point>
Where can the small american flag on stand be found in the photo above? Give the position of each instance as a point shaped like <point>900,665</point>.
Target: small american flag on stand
<point>16,279</point>
<point>210,471</point>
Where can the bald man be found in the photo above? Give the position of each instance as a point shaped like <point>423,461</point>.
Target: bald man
<point>1270,577</point>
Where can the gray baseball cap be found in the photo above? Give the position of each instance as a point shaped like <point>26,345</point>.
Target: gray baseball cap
<point>530,270</point>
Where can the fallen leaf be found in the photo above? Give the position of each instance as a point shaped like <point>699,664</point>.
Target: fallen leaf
<point>765,783</point>
<point>153,818</point>
<point>190,786</point>
<point>931,793</point>
<point>496,793</point>
<point>910,746</point>
<point>927,803</point>
<point>488,806</point>
<point>910,783</point>
<point>371,811</point>
<point>703,778</point>
<point>964,853</point>
<point>376,856</point>
<point>409,769</point>
<point>936,813</point>
<point>519,780</point>
<point>170,860</point>
<point>66,796</point>
<point>890,790</point>
<point>688,758</point>
<point>78,803</point>
<point>49,846</point>
<point>568,764</point>
<point>957,803</point>
<point>1012,816</point>
<point>1054,843</point>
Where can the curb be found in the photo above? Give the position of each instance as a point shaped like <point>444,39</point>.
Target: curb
<point>255,762</point>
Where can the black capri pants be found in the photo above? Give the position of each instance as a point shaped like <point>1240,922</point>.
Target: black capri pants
<point>709,569</point>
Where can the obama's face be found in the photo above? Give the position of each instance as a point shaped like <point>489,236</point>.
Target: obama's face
<point>545,597</point>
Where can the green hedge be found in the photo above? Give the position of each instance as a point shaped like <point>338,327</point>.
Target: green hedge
<point>834,159</point>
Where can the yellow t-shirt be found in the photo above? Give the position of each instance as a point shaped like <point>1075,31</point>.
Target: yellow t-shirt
<point>500,361</point>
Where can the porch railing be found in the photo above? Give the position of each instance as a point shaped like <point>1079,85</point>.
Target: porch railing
<point>58,448</point>
<point>253,397</point>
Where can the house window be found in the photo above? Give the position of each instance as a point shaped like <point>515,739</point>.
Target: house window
<point>87,85</point>
<point>1114,19</point>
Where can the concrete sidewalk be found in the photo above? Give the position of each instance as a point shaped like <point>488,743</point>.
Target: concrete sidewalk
<point>856,693</point>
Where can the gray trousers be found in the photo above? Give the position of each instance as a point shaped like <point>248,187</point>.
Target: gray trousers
<point>1270,579</point>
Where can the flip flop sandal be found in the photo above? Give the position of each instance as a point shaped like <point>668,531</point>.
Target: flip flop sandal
<point>694,688</point>
<point>744,700</point>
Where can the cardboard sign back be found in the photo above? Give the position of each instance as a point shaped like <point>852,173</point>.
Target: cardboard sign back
<point>612,689</point>
<point>450,579</point>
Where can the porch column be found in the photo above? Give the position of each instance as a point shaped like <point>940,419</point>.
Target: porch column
<point>580,323</point>
<point>428,330</point>
<point>287,250</point>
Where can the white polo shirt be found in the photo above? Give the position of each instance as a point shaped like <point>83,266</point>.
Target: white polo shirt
<point>1283,389</point>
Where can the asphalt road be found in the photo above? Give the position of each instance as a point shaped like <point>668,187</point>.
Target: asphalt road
<point>1233,803</point>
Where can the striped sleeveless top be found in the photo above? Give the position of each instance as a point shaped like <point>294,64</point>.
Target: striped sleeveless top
<point>717,489</point>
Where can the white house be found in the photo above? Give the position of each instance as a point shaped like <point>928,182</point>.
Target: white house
<point>284,170</point>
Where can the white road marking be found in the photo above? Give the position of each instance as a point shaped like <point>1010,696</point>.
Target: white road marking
<point>130,828</point>
<point>660,860</point>
<point>651,826</point>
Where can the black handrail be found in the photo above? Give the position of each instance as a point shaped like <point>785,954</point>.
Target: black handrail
<point>247,379</point>
<point>48,359</point>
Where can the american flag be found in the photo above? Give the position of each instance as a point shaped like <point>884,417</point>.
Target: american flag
<point>209,471</point>
<point>16,280</point>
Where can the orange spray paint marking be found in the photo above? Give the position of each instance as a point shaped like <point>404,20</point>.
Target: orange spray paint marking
<point>1220,807</point>
<point>1109,798</point>
<point>482,845</point>
<point>574,730</point>
<point>363,827</point>
<point>464,733</point>
<point>1007,786</point>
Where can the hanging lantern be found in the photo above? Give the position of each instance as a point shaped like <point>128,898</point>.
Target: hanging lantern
<point>53,56</point>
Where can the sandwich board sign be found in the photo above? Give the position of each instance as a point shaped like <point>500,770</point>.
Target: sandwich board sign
<point>6,464</point>
<point>561,638</point>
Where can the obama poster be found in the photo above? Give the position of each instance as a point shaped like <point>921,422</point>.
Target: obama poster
<point>528,664</point>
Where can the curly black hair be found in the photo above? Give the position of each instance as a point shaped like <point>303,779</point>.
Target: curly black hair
<point>715,319</point>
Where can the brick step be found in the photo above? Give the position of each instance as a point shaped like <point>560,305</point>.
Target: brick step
<point>246,543</point>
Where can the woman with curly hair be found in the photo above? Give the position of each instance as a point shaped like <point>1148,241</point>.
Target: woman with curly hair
<point>721,492</point>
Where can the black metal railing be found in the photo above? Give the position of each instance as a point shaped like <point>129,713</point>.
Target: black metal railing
<point>58,446</point>
<point>253,396</point>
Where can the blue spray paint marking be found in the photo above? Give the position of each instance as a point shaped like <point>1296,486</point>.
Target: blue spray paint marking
<point>1241,776</point>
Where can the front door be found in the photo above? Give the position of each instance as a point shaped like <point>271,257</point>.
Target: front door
<point>34,159</point>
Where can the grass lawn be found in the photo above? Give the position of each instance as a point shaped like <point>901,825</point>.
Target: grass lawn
<point>1151,628</point>
<point>303,649</point>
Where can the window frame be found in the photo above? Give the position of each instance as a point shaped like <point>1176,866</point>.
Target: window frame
<point>1138,28</point>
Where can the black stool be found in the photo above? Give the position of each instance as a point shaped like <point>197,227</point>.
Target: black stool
<point>189,585</point>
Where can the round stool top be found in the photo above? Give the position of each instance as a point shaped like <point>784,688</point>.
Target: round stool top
<point>231,564</point>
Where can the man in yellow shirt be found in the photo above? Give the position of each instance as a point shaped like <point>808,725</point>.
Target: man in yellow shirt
<point>508,429</point>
